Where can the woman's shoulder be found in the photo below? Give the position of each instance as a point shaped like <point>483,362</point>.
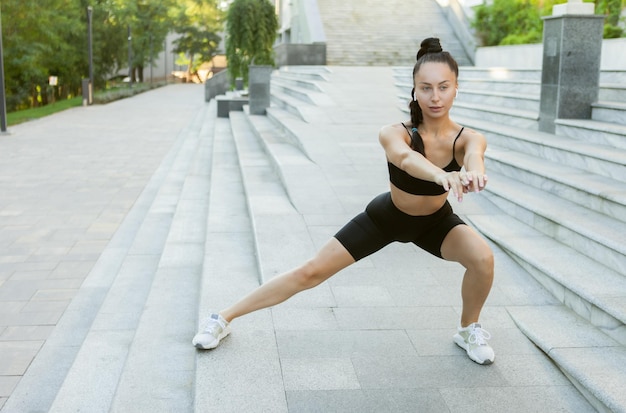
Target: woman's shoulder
<point>394,129</point>
<point>469,136</point>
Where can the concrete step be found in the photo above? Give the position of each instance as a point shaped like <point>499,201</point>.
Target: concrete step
<point>275,221</point>
<point>499,73</point>
<point>313,143</point>
<point>595,235</point>
<point>522,86</point>
<point>294,79</point>
<point>601,194</point>
<point>601,160</point>
<point>594,292</point>
<point>612,112</point>
<point>249,377</point>
<point>522,119</point>
<point>612,92</point>
<point>297,107</point>
<point>594,362</point>
<point>593,131</point>
<point>517,100</point>
<point>613,76</point>
<point>306,95</point>
<point>304,181</point>
<point>348,25</point>
<point>143,314</point>
<point>79,366</point>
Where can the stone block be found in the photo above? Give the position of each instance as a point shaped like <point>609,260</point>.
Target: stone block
<point>226,104</point>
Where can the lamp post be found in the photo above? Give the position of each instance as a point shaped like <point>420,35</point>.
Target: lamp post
<point>130,59</point>
<point>3,102</point>
<point>90,48</point>
<point>90,37</point>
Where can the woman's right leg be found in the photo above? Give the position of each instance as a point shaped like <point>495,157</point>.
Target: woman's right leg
<point>330,259</point>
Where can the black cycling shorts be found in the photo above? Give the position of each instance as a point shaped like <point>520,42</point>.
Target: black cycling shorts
<point>382,223</point>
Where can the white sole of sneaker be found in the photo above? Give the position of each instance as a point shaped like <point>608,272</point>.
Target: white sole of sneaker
<point>461,343</point>
<point>214,343</point>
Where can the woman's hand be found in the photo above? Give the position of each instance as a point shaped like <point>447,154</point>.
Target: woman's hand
<point>462,182</point>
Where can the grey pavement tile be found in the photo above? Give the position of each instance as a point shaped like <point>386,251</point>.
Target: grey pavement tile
<point>73,269</point>
<point>289,318</point>
<point>320,296</point>
<point>7,384</point>
<point>30,275</point>
<point>30,318</point>
<point>394,318</point>
<point>362,295</point>
<point>41,306</point>
<point>318,374</point>
<point>528,399</point>
<point>530,370</point>
<point>17,356</point>
<point>250,376</point>
<point>366,401</point>
<point>60,294</point>
<point>319,344</point>
<point>36,266</point>
<point>403,372</point>
<point>26,333</point>
<point>12,307</point>
<point>13,259</point>
<point>436,296</point>
<point>13,290</point>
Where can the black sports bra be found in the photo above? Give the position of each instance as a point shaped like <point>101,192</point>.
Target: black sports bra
<point>416,186</point>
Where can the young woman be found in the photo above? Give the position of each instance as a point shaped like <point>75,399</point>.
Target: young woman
<point>427,157</point>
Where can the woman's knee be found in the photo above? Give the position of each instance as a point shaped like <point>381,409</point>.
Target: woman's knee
<point>481,261</point>
<point>309,275</point>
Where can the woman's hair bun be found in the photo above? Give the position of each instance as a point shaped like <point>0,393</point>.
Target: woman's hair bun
<point>430,45</point>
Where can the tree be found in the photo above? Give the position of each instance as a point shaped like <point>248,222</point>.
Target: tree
<point>39,45</point>
<point>503,22</point>
<point>197,22</point>
<point>251,28</point>
<point>613,10</point>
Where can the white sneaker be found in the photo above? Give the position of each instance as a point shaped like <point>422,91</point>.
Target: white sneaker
<point>473,339</point>
<point>216,329</point>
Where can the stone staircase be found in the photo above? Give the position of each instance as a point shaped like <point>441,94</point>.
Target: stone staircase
<point>204,232</point>
<point>388,33</point>
<point>562,199</point>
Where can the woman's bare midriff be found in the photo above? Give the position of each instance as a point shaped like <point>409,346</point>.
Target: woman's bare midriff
<point>416,205</point>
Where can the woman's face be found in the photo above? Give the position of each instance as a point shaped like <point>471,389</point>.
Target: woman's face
<point>435,88</point>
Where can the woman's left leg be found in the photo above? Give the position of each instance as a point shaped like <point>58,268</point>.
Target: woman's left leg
<point>463,245</point>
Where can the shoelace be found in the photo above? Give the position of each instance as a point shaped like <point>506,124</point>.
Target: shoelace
<point>213,327</point>
<point>479,336</point>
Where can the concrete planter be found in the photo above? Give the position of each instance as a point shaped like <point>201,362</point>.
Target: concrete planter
<point>259,88</point>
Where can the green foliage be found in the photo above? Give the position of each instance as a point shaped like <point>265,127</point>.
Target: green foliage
<point>123,91</point>
<point>21,116</point>
<point>506,22</point>
<point>251,28</point>
<point>43,38</point>
<point>612,32</point>
<point>197,22</point>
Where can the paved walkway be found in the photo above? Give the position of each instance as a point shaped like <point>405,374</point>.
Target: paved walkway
<point>376,337</point>
<point>67,182</point>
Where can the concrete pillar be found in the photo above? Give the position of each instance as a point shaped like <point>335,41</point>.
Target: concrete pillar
<point>570,77</point>
<point>259,88</point>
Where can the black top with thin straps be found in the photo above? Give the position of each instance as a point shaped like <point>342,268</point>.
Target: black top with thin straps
<point>416,186</point>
